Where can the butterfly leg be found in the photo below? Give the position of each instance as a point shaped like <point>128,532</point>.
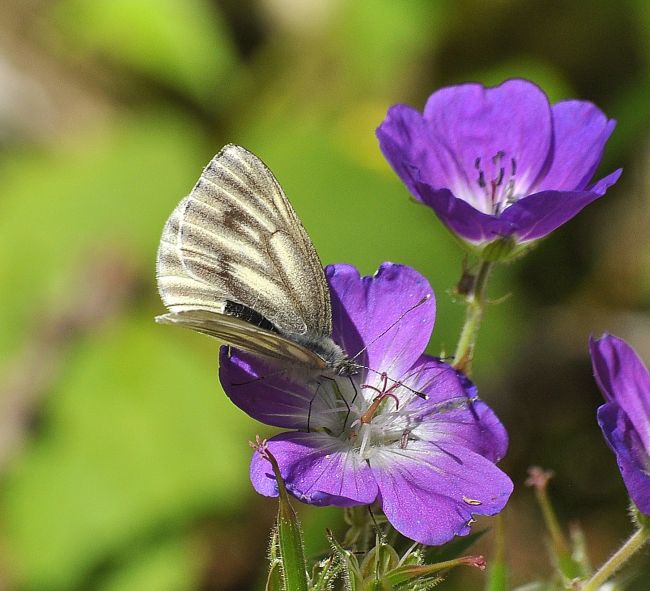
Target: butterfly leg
<point>310,403</point>
<point>340,395</point>
<point>354,398</point>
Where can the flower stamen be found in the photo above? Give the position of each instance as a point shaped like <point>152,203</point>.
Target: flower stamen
<point>499,192</point>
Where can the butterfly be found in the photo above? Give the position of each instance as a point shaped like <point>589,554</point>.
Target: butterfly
<point>236,263</point>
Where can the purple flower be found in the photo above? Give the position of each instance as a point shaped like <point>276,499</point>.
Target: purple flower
<point>625,417</point>
<point>499,165</point>
<point>371,437</point>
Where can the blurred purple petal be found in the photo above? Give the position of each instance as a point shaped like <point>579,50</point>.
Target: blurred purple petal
<point>623,378</point>
<point>625,418</point>
<point>632,459</point>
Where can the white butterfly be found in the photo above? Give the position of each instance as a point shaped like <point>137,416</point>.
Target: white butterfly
<point>235,263</point>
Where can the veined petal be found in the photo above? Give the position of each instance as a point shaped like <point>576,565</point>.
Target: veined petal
<point>266,394</point>
<point>317,469</point>
<point>405,141</point>
<point>539,214</point>
<point>473,122</point>
<point>632,459</point>
<point>464,220</point>
<point>385,313</point>
<point>623,378</point>
<point>430,492</point>
<point>452,413</point>
<point>580,132</point>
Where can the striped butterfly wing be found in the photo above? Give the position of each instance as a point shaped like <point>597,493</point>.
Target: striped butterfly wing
<point>236,239</point>
<point>244,336</point>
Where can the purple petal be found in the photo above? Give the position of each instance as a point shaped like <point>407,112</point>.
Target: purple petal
<point>405,141</point>
<point>581,130</point>
<point>623,378</point>
<point>429,492</point>
<point>464,220</point>
<point>265,393</point>
<point>476,122</point>
<point>317,469</point>
<point>631,457</point>
<point>384,313</point>
<point>539,214</point>
<point>453,413</point>
<point>530,218</point>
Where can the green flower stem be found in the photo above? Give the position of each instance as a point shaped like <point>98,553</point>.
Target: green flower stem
<point>621,556</point>
<point>497,579</point>
<point>560,544</point>
<point>567,565</point>
<point>475,300</point>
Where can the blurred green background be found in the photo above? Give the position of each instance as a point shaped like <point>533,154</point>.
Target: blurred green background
<point>122,464</point>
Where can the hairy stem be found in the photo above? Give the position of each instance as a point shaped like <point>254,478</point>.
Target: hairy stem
<point>475,300</point>
<point>618,559</point>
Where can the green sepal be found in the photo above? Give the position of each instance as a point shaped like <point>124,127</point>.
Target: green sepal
<point>381,559</point>
<point>427,575</point>
<point>287,542</point>
<point>325,573</point>
<point>274,580</point>
<point>290,542</point>
<point>457,547</point>
<point>348,563</point>
<point>638,518</point>
<point>501,250</point>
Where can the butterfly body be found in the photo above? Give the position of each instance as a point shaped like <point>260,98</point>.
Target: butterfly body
<point>235,263</point>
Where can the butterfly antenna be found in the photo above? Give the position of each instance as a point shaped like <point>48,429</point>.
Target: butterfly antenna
<point>392,325</point>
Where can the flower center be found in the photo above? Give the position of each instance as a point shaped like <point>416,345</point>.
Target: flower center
<point>368,417</point>
<point>498,191</point>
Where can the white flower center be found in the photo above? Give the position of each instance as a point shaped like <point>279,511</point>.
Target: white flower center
<point>366,416</point>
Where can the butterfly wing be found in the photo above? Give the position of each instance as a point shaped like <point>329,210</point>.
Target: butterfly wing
<point>236,238</point>
<point>244,336</point>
